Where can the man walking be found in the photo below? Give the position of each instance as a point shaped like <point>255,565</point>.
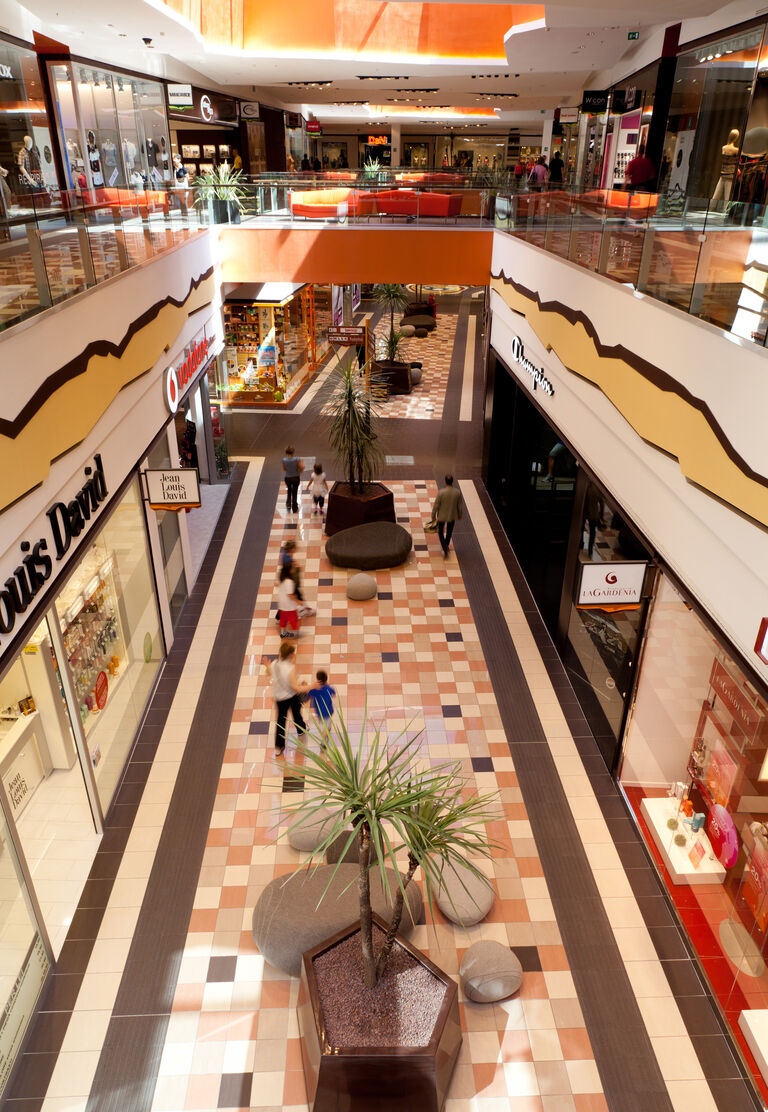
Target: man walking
<point>447,510</point>
<point>292,468</point>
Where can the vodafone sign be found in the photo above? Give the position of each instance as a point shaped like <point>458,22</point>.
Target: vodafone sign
<point>178,378</point>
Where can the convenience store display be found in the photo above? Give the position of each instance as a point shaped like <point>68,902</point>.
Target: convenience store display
<point>270,349</point>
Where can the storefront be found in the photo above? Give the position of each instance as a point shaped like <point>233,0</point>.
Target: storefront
<point>715,147</point>
<point>94,580</point>
<point>112,127</point>
<point>27,167</point>
<point>204,128</point>
<point>645,620</point>
<point>375,148</point>
<point>276,336</point>
<point>471,153</point>
<point>569,534</point>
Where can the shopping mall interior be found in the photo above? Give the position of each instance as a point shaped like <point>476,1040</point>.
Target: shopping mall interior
<point>384,534</point>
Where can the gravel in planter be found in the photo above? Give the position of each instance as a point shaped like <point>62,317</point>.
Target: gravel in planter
<point>401,1011</point>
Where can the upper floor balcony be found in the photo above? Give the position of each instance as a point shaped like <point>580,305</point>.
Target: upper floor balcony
<point>706,259</point>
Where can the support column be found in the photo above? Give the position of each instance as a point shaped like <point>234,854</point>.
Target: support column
<point>397,155</point>
<point>546,138</point>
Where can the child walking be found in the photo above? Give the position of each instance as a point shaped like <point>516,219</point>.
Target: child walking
<point>319,487</point>
<point>321,696</point>
<point>287,607</point>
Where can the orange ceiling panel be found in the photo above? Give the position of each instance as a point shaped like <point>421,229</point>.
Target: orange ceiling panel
<point>349,27</point>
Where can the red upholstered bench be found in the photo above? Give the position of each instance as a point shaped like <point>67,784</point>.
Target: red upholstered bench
<point>407,202</point>
<point>324,203</point>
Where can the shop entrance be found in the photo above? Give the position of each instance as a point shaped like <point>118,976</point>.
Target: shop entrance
<point>573,546</point>
<point>43,782</point>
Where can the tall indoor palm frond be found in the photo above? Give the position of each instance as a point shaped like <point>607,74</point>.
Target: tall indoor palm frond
<point>353,409</point>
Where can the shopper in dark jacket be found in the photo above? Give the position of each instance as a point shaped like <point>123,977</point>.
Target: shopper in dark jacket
<point>447,510</point>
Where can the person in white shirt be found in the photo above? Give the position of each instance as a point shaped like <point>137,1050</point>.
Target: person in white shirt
<point>319,487</point>
<point>287,603</point>
<point>286,690</point>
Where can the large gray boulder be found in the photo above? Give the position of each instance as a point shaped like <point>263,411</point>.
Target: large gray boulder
<point>377,544</point>
<point>287,920</point>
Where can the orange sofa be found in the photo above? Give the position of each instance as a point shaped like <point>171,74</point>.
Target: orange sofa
<point>427,178</point>
<point>615,202</point>
<point>145,200</point>
<point>322,203</point>
<point>407,202</point>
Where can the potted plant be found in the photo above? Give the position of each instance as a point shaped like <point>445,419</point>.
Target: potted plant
<point>394,372</point>
<point>386,1042</point>
<point>221,189</point>
<point>353,410</point>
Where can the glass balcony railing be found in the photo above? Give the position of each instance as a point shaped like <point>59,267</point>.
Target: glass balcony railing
<point>709,259</point>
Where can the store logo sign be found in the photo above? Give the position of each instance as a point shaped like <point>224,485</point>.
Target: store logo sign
<point>180,95</point>
<point>611,584</point>
<point>537,374</point>
<point>206,108</point>
<point>5,71</point>
<point>66,520</point>
<point>177,379</point>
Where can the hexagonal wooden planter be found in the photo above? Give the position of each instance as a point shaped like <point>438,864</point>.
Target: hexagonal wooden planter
<point>345,509</point>
<point>376,1079</point>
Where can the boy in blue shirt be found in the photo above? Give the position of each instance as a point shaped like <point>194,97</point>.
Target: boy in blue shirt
<point>321,697</point>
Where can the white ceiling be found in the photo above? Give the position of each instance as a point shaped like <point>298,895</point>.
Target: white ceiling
<point>547,65</point>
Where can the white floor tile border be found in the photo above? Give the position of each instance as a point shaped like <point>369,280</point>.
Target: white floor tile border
<point>674,1052</point>
<point>75,1069</point>
<point>468,376</point>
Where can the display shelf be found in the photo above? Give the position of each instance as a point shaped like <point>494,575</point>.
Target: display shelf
<point>93,638</point>
<point>754,1025</point>
<point>657,810</point>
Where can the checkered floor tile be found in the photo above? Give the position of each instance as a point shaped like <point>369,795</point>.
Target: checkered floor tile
<point>410,656</point>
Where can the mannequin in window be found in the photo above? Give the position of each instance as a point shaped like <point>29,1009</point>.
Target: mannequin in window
<point>28,159</point>
<point>5,191</point>
<point>728,163</point>
<point>94,159</point>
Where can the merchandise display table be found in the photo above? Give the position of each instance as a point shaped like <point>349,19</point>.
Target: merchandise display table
<point>754,1025</point>
<point>656,811</point>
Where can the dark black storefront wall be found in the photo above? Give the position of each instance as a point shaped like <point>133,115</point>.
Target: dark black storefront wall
<point>539,490</point>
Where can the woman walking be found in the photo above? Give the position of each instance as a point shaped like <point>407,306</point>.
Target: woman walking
<point>286,690</point>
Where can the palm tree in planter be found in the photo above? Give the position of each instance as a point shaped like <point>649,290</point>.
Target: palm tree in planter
<point>353,410</point>
<point>379,1022</point>
<point>393,297</point>
<point>221,190</point>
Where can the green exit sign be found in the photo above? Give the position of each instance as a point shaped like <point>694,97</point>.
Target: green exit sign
<point>633,34</point>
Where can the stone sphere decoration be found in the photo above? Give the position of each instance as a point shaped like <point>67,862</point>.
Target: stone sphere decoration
<point>361,587</point>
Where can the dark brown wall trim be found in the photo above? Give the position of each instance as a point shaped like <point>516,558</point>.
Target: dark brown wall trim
<point>77,366</point>
<point>649,371</point>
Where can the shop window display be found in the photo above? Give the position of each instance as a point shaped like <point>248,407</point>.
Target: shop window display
<point>111,631</point>
<point>114,128</point>
<point>695,771</point>
<point>271,350</point>
<point>27,169</point>
<point>710,98</point>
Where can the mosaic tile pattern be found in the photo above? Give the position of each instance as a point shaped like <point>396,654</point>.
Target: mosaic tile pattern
<point>413,657</point>
<point>434,351</point>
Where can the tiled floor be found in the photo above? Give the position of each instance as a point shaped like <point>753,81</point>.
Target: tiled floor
<point>412,657</point>
<point>160,999</point>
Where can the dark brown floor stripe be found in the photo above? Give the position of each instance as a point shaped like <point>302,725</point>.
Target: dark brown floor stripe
<point>729,1080</point>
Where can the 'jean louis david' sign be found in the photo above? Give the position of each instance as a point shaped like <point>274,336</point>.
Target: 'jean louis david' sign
<point>173,488</point>
<point>611,584</point>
